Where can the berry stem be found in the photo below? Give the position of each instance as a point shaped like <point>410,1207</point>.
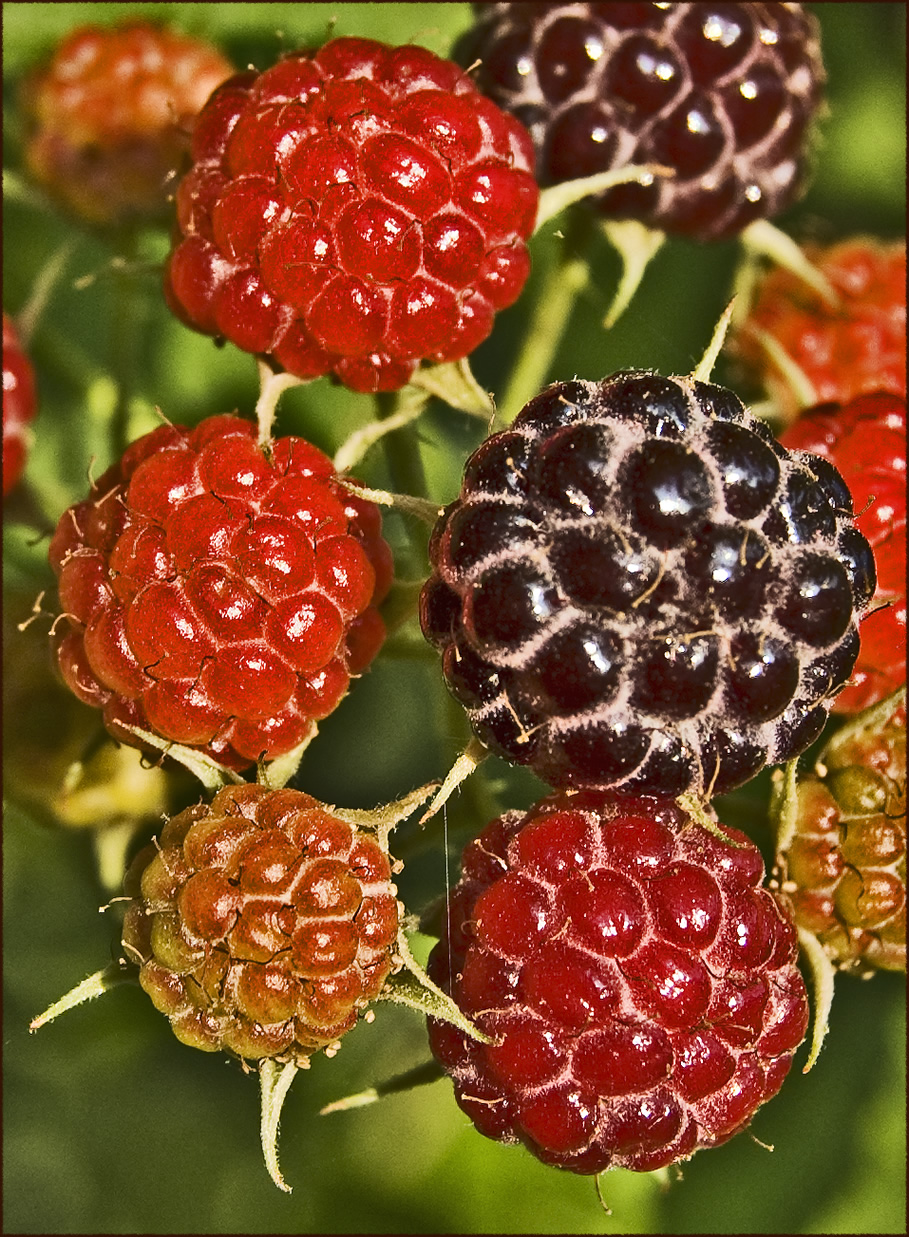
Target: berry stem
<point>353,449</point>
<point>636,246</point>
<point>765,239</point>
<point>565,277</point>
<point>271,387</point>
<point>420,1075</point>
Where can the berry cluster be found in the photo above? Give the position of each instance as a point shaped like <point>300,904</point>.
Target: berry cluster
<point>639,586</point>
<point>722,94</point>
<point>261,923</point>
<point>353,212</point>
<point>638,985</point>
<point>218,594</point>
<point>19,404</point>
<point>109,117</point>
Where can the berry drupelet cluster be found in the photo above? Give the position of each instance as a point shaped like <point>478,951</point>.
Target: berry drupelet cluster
<point>353,212</point>
<point>724,95</point>
<point>638,986</point>
<point>217,594</point>
<point>262,924</point>
<point>640,587</point>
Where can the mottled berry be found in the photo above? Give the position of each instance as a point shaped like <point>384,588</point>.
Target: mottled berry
<point>866,440</point>
<point>841,865</point>
<point>638,985</point>
<point>843,351</point>
<point>353,212</point>
<point>262,924</point>
<point>19,404</point>
<point>109,118</point>
<point>724,95</point>
<point>217,594</point>
<point>639,586</point>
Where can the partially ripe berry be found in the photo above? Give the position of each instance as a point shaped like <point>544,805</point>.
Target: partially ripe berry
<point>353,212</point>
<point>217,594</point>
<point>843,352</point>
<point>638,586</point>
<point>724,95</point>
<point>19,405</point>
<point>842,870</point>
<point>109,117</point>
<point>866,440</point>
<point>638,984</point>
<point>263,925</point>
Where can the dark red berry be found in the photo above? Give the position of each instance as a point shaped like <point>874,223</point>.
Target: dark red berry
<point>723,94</point>
<point>353,212</point>
<point>216,594</point>
<point>866,440</point>
<point>262,923</point>
<point>639,586</point>
<point>19,404</point>
<point>638,984</point>
<point>109,117</point>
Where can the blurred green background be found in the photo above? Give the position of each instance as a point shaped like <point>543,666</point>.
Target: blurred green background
<point>112,1126</point>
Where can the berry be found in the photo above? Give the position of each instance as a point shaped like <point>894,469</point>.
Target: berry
<point>353,212</point>
<point>858,347</point>
<point>638,984</point>
<point>866,440</point>
<point>843,869</point>
<point>19,405</point>
<point>639,587</point>
<point>262,923</point>
<point>721,94</point>
<point>218,594</point>
<point>108,118</point>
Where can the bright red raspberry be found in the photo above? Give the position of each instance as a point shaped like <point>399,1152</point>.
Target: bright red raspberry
<point>262,923</point>
<point>639,985</point>
<point>19,404</point>
<point>723,94</point>
<point>218,594</point>
<point>353,212</point>
<point>866,440</point>
<point>109,116</point>
<point>844,352</point>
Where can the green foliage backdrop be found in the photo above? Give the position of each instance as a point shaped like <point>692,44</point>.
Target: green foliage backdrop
<point>112,1126</point>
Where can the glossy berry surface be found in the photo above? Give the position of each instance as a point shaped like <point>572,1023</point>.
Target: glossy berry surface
<point>108,118</point>
<point>19,404</point>
<point>262,924</point>
<point>866,440</point>
<point>639,986</point>
<point>723,94</point>
<point>858,347</point>
<point>216,595</point>
<point>638,586</point>
<point>843,867</point>
<point>353,212</point>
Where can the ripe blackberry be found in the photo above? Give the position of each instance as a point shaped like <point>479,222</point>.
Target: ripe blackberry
<point>262,923</point>
<point>218,594</point>
<point>353,212</point>
<point>866,440</point>
<point>639,985</point>
<point>844,352</point>
<point>722,93</point>
<point>108,118</point>
<point>19,405</point>
<point>640,587</point>
<point>843,867</point>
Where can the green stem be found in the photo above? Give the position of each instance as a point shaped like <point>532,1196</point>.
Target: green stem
<point>405,466</point>
<point>553,305</point>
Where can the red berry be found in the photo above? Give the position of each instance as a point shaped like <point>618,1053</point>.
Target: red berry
<point>262,924</point>
<point>218,595</point>
<point>722,94</point>
<point>639,985</point>
<point>638,586</point>
<point>109,116</point>
<point>353,212</point>
<point>866,440</point>
<point>19,405</point>
<point>858,347</point>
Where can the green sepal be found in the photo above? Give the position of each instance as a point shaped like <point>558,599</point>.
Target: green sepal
<point>114,975</point>
<point>212,775</point>
<point>274,1083</point>
<point>420,1075</point>
<point>412,986</point>
<point>454,383</point>
<point>823,974</point>
<point>556,198</point>
<point>278,772</point>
